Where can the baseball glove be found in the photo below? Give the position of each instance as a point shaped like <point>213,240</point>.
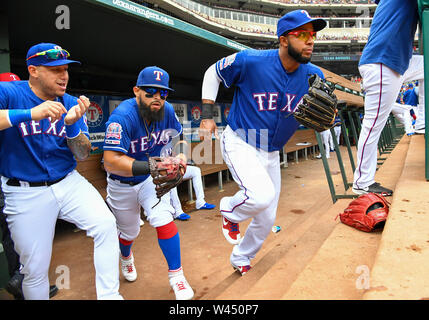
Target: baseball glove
<point>167,173</point>
<point>319,107</point>
<point>366,213</point>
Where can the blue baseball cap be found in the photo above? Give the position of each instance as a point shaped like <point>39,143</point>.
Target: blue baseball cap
<point>43,60</point>
<point>298,18</point>
<point>153,77</point>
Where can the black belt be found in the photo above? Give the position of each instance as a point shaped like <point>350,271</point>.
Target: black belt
<point>131,183</point>
<point>18,183</point>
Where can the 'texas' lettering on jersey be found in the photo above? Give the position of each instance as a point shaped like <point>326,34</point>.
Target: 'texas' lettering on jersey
<point>267,101</point>
<point>33,127</point>
<point>143,144</point>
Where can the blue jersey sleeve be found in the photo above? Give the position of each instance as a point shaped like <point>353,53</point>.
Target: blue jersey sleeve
<point>6,90</point>
<point>229,69</point>
<point>117,136</point>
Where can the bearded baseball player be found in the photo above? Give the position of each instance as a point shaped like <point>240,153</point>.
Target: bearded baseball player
<point>270,84</point>
<point>138,130</point>
<point>43,132</point>
<point>384,67</point>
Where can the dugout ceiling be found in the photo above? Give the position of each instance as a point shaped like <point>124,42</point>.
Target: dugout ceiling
<point>114,40</point>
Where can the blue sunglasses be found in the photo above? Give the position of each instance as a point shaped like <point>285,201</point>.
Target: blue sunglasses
<point>150,92</point>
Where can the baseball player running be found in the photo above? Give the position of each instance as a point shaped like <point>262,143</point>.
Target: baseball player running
<point>269,85</point>
<point>194,173</point>
<point>384,68</point>
<point>139,128</point>
<point>43,130</point>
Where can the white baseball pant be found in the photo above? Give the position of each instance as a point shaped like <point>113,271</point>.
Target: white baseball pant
<point>126,201</point>
<point>337,130</point>
<point>194,173</point>
<point>328,143</point>
<point>402,113</point>
<point>257,173</point>
<point>32,213</point>
<point>420,120</point>
<point>382,86</point>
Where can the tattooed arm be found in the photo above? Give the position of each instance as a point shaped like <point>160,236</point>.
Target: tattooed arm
<point>80,146</point>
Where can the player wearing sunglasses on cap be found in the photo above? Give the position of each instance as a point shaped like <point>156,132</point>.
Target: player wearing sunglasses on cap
<point>44,131</point>
<point>137,129</point>
<point>269,86</point>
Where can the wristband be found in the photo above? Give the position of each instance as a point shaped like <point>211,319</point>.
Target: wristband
<point>207,111</point>
<point>19,115</point>
<point>140,168</point>
<point>72,131</point>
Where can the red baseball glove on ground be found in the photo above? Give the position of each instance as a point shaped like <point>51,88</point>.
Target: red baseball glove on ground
<point>366,213</point>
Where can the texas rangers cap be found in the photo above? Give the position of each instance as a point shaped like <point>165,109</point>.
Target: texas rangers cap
<point>153,77</point>
<point>298,18</point>
<point>9,76</point>
<point>44,60</point>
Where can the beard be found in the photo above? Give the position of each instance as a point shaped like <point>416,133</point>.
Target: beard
<point>149,115</point>
<point>296,55</point>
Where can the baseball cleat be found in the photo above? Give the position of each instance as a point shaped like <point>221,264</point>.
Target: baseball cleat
<point>207,206</point>
<point>128,268</point>
<point>183,217</point>
<point>231,231</point>
<point>181,287</point>
<point>242,269</point>
<point>374,188</point>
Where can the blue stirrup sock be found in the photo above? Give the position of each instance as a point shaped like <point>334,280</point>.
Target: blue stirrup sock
<point>125,247</point>
<point>169,242</point>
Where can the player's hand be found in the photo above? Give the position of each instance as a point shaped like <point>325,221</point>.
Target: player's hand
<point>76,112</point>
<point>185,160</point>
<point>207,128</point>
<point>51,110</point>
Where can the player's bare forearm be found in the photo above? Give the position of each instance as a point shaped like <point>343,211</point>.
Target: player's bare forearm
<point>80,146</point>
<point>4,122</point>
<point>118,163</point>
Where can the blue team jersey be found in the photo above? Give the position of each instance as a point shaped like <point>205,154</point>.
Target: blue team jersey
<point>410,97</point>
<point>392,34</point>
<point>265,93</point>
<point>126,132</point>
<point>35,151</point>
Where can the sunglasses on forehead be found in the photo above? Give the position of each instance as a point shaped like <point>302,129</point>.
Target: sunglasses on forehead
<point>304,35</point>
<point>52,54</point>
<point>151,91</point>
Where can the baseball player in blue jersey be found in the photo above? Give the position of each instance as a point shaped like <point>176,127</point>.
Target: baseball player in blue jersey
<point>139,128</point>
<point>43,130</point>
<point>269,86</point>
<point>384,67</point>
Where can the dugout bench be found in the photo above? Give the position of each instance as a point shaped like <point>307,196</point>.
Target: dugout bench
<point>93,170</point>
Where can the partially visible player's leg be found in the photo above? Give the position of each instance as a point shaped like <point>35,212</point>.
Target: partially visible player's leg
<point>123,201</point>
<point>160,216</point>
<point>337,131</point>
<point>382,86</point>
<point>175,202</point>
<point>31,215</point>
<point>194,173</point>
<point>82,205</point>
<point>261,224</point>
